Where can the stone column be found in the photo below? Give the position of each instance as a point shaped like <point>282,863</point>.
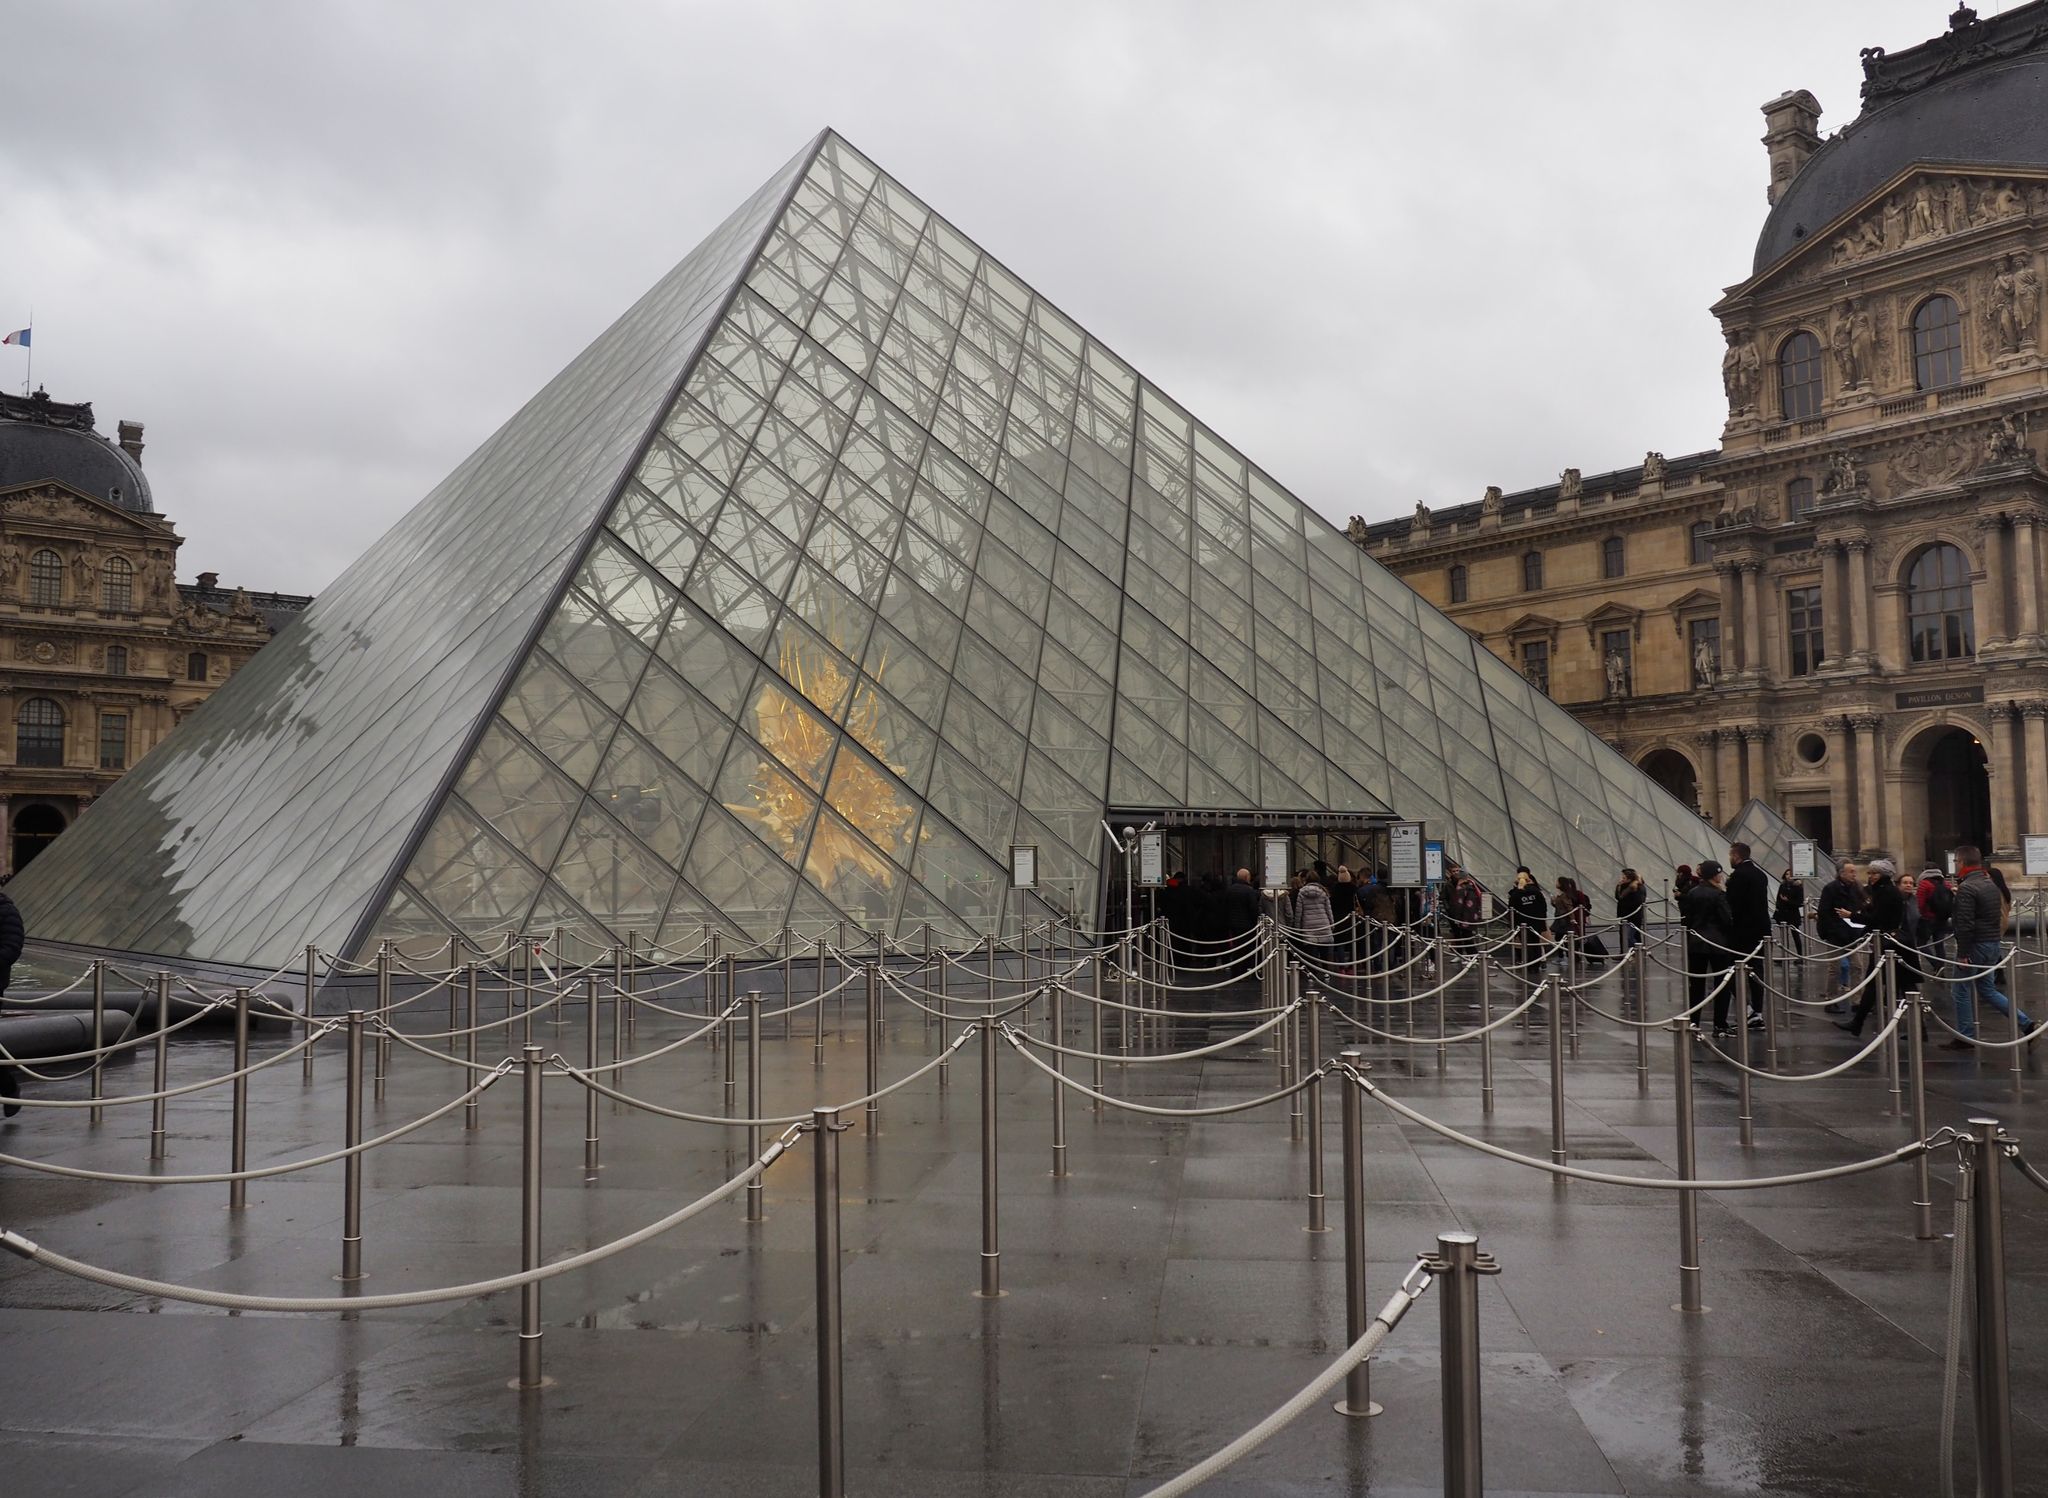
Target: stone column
<point>1730,777</point>
<point>2026,577</point>
<point>1752,616</point>
<point>1859,598</point>
<point>2002,762</point>
<point>1710,774</point>
<point>1870,786</point>
<point>1993,625</point>
<point>2036,766</point>
<point>1729,583</point>
<point>1834,618</point>
<point>1839,797</point>
<point>1754,738</point>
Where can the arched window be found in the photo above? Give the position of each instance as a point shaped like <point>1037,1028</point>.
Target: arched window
<point>1532,572</point>
<point>1613,557</point>
<point>1937,344</point>
<point>1799,376</point>
<point>1700,542</point>
<point>39,734</point>
<point>117,660</point>
<point>1939,623</point>
<point>195,666</point>
<point>46,579</point>
<point>1460,585</point>
<point>117,585</point>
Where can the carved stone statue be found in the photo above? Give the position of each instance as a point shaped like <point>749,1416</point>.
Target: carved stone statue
<point>1843,476</point>
<point>242,610</point>
<point>2008,440</point>
<point>1955,206</point>
<point>1569,484</point>
<point>2001,310</point>
<point>1706,665</point>
<point>1653,468</point>
<point>1849,340</point>
<point>82,574</point>
<point>2026,303</point>
<point>1741,372</point>
<point>1355,531</point>
<point>1421,516</point>
<point>1617,674</point>
<point>1489,502</point>
<point>1920,221</point>
<point>10,568</point>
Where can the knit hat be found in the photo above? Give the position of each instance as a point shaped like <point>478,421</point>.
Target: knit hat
<point>1884,867</point>
<point>1930,873</point>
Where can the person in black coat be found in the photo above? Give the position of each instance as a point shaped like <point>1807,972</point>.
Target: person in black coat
<point>1885,912</point>
<point>1749,898</point>
<point>1839,923</point>
<point>1709,938</point>
<point>1527,910</point>
<point>13,936</point>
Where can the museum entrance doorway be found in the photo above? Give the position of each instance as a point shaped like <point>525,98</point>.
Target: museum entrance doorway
<point>1947,798</point>
<point>1206,849</point>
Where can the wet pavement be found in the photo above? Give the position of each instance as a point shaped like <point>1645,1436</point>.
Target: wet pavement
<point>1158,1301</point>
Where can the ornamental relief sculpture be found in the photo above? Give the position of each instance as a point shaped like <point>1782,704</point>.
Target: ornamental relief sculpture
<point>1932,458</point>
<point>1932,208</point>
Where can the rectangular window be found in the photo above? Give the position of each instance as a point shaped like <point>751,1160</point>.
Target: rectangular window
<point>1536,664</point>
<point>113,741</point>
<point>1701,538</point>
<point>117,660</point>
<point>1617,662</point>
<point>1803,630</point>
<point>1798,497</point>
<point>1703,650</point>
<point>1613,557</point>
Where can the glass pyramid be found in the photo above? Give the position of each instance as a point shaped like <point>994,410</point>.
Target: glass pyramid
<point>839,563</point>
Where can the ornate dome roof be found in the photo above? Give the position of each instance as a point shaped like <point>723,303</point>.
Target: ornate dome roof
<point>1976,96</point>
<point>42,439</point>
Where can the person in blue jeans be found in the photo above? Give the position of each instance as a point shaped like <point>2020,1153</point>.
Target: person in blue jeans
<point>1979,924</point>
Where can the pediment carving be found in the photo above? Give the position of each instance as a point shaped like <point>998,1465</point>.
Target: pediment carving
<point>1918,210</point>
<point>61,505</point>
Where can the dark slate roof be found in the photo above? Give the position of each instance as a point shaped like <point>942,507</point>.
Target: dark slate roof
<point>1678,473</point>
<point>42,439</point>
<point>276,609</point>
<point>1974,97</point>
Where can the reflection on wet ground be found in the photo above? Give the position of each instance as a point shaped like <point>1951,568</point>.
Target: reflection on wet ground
<point>1159,1300</point>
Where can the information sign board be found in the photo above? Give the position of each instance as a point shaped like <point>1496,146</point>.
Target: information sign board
<point>1404,854</point>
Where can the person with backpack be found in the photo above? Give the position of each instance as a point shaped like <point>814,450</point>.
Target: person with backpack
<point>1749,897</point>
<point>1979,921</point>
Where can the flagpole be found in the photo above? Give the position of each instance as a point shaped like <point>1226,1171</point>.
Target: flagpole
<point>29,378</point>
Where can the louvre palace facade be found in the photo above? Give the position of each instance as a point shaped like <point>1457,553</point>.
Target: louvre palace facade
<point>1838,611</point>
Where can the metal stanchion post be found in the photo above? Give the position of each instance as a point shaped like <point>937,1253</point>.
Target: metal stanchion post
<point>1095,1026</point>
<point>872,985</point>
<point>1485,1036</point>
<point>1357,1400</point>
<point>787,942</point>
<point>99,1037</point>
<point>1743,1116</point>
<point>383,1046</point>
<point>1290,1052</point>
<point>352,1167</point>
<point>991,1249</point>
<point>618,1007</point>
<point>592,1027</point>
<point>526,955</point>
<point>632,987</point>
<point>1318,1220</point>
<point>1459,1264</point>
<point>1642,1023</point>
<point>162,1073</point>
<point>1916,1060</point>
<point>312,980</point>
<point>757,1097</point>
<point>454,966</point>
<point>1576,971</point>
<point>1556,1018</point>
<point>1688,1201</point>
<point>469,1109</point>
<point>529,1223</point>
<point>1443,992</point>
<point>238,1145</point>
<point>1888,1006</point>
<point>2018,1051</point>
<point>1992,1373</point>
<point>1059,1085</point>
<point>825,1128</point>
<point>1773,1017</point>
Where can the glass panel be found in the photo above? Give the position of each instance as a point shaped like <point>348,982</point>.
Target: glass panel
<point>555,715</point>
<point>704,656</point>
<point>603,657</point>
<point>754,788</point>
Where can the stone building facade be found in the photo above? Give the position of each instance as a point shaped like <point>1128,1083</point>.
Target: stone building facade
<point>102,651</point>
<point>1838,610</point>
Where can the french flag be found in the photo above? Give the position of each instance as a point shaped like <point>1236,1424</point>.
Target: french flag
<point>20,336</point>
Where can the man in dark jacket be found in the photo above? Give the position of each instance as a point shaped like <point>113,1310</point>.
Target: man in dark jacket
<point>1241,911</point>
<point>13,935</point>
<point>1749,897</point>
<point>1979,923</point>
<point>1709,941</point>
<point>1839,922</point>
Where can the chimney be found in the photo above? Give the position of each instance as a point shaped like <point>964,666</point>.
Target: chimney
<point>209,581</point>
<point>1792,134</point>
<point>131,440</point>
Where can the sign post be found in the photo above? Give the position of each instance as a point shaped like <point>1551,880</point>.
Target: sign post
<point>1273,853</point>
<point>1152,859</point>
<point>1805,862</point>
<point>1433,862</point>
<point>2034,852</point>
<point>1404,854</point>
<point>1023,876</point>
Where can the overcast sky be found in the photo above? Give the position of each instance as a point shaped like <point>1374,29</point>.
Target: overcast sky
<point>1393,249</point>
